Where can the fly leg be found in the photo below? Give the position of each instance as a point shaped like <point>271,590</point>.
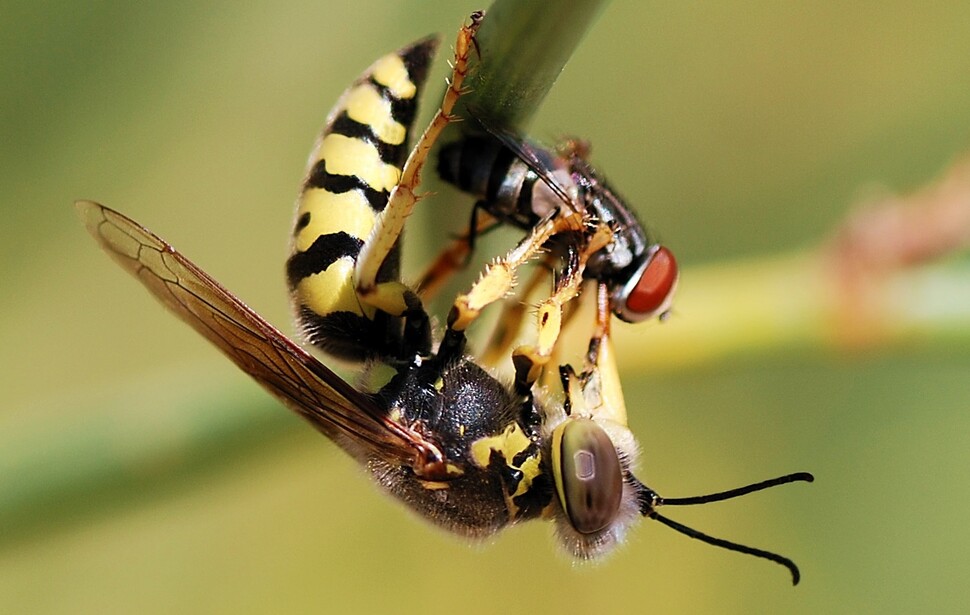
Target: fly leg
<point>529,360</point>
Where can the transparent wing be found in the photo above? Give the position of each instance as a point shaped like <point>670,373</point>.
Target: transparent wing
<point>350,418</point>
<point>536,161</point>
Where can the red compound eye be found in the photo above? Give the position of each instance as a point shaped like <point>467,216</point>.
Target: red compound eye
<point>652,291</point>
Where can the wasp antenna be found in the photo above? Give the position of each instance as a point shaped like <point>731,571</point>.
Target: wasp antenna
<point>730,546</point>
<point>650,500</point>
<point>734,493</point>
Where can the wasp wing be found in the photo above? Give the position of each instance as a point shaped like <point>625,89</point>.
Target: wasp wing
<point>350,418</point>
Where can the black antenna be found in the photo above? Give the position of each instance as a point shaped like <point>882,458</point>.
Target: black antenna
<point>650,500</point>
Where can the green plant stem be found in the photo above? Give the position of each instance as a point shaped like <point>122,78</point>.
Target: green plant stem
<point>132,439</point>
<point>794,301</point>
<point>777,304</point>
<point>523,46</point>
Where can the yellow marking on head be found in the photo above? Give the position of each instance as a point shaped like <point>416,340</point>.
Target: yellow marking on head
<point>509,443</point>
<point>349,156</point>
<point>391,72</point>
<point>530,469</point>
<point>365,104</point>
<point>331,290</point>
<point>557,458</point>
<point>332,212</point>
<point>434,485</point>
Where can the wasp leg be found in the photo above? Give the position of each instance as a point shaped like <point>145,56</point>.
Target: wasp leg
<point>394,297</point>
<point>509,323</point>
<point>498,279</point>
<point>529,360</point>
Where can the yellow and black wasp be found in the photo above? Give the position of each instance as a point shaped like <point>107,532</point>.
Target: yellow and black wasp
<point>443,435</point>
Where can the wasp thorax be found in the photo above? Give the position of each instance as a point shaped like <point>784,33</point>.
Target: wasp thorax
<point>650,292</point>
<point>589,477</point>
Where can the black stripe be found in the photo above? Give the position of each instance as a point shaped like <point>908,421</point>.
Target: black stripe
<point>348,127</point>
<point>417,58</point>
<point>338,184</point>
<point>326,249</point>
<point>402,109</point>
<point>523,203</point>
<point>350,336</point>
<point>449,157</point>
<point>470,164</point>
<point>302,222</point>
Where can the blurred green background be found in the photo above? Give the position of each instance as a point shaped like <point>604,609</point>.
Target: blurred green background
<point>739,129</point>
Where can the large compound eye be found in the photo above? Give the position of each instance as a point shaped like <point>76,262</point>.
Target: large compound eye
<point>588,475</point>
<point>652,290</point>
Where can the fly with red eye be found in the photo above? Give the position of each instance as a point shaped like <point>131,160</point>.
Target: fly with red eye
<point>573,215</point>
<point>640,273</point>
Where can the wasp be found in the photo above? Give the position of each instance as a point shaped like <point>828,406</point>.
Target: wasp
<point>454,443</point>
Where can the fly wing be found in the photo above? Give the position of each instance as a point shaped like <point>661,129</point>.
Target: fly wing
<point>350,418</point>
<point>536,159</point>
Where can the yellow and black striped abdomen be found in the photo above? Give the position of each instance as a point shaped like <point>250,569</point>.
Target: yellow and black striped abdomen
<point>354,165</point>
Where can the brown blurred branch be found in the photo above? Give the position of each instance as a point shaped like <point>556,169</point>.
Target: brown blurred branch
<point>889,236</point>
<point>884,275</point>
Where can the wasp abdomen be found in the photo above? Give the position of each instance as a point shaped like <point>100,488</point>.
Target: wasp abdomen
<point>353,167</point>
